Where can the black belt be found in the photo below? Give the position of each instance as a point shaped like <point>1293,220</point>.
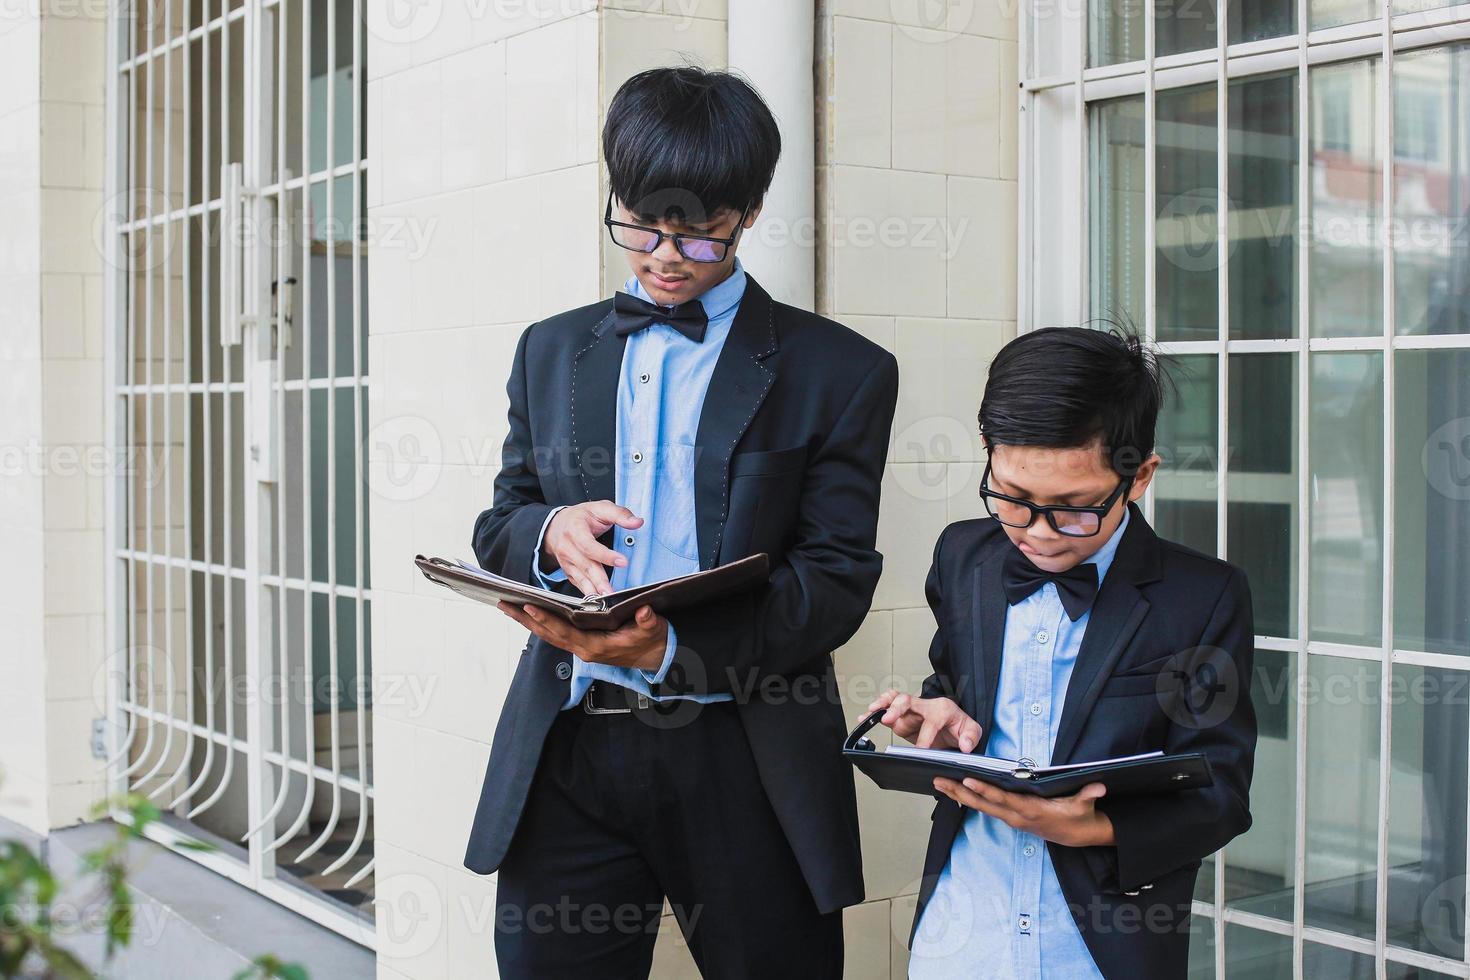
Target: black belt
<point>603,698</point>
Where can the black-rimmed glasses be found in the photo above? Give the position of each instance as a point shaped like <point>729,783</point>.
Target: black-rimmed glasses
<point>1077,522</point>
<point>695,248</point>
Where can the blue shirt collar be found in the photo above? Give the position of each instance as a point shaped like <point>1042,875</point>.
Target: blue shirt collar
<point>1104,556</point>
<point>717,300</point>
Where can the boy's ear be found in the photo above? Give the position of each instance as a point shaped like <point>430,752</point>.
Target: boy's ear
<point>754,213</point>
<point>1144,476</point>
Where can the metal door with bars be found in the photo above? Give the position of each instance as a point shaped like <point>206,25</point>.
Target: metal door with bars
<point>238,596</point>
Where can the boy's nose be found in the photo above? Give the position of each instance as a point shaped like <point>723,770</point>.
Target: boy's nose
<point>667,253</point>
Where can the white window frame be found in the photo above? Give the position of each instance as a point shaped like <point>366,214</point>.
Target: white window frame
<point>248,193</point>
<point>1380,39</point>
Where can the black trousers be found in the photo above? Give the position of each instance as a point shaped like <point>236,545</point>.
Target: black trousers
<point>629,809</point>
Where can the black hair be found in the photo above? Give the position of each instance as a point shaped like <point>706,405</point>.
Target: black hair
<point>683,140</point>
<point>1064,387</point>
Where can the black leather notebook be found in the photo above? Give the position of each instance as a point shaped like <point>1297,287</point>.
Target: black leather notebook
<point>600,612</point>
<point>913,770</point>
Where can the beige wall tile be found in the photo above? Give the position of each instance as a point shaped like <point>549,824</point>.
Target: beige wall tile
<point>912,514</point>
<point>936,420</point>
<point>551,96</point>
<point>865,929</point>
<point>983,279</point>
<point>864,666</point>
<point>74,562</point>
<point>412,913</point>
<point>69,217</point>
<point>471,923</point>
<point>901,921</point>
<point>633,41</point>
<point>885,233</point>
<point>952,110</point>
<point>863,94</point>
<point>438,273</point>
<point>69,742</point>
<point>472,112</point>
<point>74,58</point>
<point>408,164</point>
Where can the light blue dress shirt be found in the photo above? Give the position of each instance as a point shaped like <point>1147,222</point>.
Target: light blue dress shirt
<point>661,389</point>
<point>997,910</point>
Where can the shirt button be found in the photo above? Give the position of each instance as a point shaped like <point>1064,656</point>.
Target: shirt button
<point>637,457</point>
<point>643,378</point>
<point>563,670</point>
<point>1029,850</point>
<point>1042,636</point>
<point>1036,707</point>
<point>628,541</point>
<point>1024,922</point>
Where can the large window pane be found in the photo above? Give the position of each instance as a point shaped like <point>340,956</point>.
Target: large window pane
<point>1114,31</point>
<point>1346,435</point>
<point>1118,209</point>
<point>1347,194</point>
<point>1331,13</point>
<point>1184,25</point>
<point>1263,211</point>
<point>1426,822</point>
<point>1187,213</point>
<point>1255,20</point>
<point>1410,6</point>
<point>1262,487</point>
<point>1201,948</point>
<point>1431,173</point>
<point>1251,954</point>
<point>1188,487</point>
<point>1432,501</point>
<point>1342,702</point>
<point>1320,960</point>
<point>1260,864</point>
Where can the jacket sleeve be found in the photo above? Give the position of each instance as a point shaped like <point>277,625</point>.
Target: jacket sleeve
<point>505,536</point>
<point>1211,713</point>
<point>818,594</point>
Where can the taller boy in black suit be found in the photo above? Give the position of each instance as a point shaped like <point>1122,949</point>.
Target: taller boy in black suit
<point>1068,631</point>
<point>690,421</point>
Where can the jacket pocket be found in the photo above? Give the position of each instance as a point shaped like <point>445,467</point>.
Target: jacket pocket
<point>768,462</point>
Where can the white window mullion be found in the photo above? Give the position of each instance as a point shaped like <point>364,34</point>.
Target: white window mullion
<point>1385,136</point>
<point>1222,252</point>
<point>1303,538</point>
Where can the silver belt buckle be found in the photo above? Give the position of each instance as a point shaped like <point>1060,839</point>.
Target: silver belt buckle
<point>592,709</point>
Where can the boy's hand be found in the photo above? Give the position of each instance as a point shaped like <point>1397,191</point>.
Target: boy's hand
<point>640,642</point>
<point>571,543</point>
<point>930,723</point>
<point>1071,820</point>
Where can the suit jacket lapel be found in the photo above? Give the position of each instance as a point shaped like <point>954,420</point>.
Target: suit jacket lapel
<point>988,625</point>
<point>1116,614</point>
<point>594,437</point>
<point>741,379</point>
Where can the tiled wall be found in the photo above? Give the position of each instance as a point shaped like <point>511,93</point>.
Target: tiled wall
<point>485,158</point>
<point>484,147</point>
<point>917,188</point>
<point>51,410</point>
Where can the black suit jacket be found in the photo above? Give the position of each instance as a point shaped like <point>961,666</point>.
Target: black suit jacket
<point>1165,664</point>
<point>792,440</point>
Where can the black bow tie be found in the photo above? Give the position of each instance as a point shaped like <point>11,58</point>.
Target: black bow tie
<point>1076,587</point>
<point>634,314</point>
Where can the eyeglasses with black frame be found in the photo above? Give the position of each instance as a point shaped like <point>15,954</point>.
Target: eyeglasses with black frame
<point>1077,522</point>
<point>695,248</point>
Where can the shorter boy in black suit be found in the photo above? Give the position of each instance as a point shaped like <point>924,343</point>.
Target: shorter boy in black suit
<point>1068,631</point>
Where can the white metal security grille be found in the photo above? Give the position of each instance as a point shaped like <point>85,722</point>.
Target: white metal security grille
<point>238,592</point>
<point>1065,100</point>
